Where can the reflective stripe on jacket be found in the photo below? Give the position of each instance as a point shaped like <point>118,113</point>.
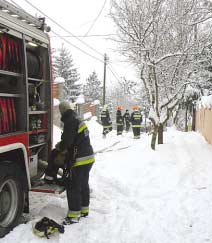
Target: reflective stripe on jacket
<point>105,119</point>
<point>87,159</point>
<point>84,160</point>
<point>76,134</point>
<point>136,119</point>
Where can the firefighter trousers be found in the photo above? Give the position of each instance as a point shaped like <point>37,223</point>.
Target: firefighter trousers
<point>127,126</point>
<point>120,129</point>
<point>107,130</point>
<point>136,132</point>
<point>79,195</point>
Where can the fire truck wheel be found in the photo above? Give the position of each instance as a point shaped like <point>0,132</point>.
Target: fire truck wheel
<point>11,196</point>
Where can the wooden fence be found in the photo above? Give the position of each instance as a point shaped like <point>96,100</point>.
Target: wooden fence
<point>204,123</point>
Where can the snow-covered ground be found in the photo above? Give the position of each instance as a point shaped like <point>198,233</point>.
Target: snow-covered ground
<point>138,195</point>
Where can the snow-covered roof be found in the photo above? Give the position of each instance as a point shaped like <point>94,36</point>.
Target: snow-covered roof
<point>205,102</point>
<point>59,80</point>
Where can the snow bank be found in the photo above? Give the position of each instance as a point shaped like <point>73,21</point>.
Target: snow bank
<point>137,195</point>
<point>87,115</point>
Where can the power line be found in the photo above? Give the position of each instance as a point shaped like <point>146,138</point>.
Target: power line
<point>114,73</point>
<point>71,35</point>
<point>63,27</point>
<point>113,69</point>
<point>68,36</point>
<point>76,47</point>
<point>92,25</point>
<point>61,37</point>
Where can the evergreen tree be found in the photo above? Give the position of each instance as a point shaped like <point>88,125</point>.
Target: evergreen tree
<point>92,89</point>
<point>64,67</point>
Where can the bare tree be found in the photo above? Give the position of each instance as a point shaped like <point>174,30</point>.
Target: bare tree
<point>125,92</point>
<point>162,38</point>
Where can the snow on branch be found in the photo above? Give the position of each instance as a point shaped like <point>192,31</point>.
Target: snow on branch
<point>200,21</point>
<point>172,55</point>
<point>174,95</point>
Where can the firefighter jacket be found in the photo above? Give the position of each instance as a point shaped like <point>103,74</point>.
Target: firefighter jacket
<point>136,119</point>
<point>105,119</point>
<point>127,117</point>
<point>75,138</point>
<point>119,118</point>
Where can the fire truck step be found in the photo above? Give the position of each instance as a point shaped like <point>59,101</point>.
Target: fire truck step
<point>41,186</point>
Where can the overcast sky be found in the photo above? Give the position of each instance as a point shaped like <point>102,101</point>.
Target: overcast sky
<point>78,17</point>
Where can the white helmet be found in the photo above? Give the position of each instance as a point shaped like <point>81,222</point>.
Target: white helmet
<point>66,105</point>
<point>73,106</point>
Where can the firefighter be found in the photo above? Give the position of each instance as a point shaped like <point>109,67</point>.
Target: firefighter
<point>79,158</point>
<point>127,120</point>
<point>119,120</point>
<point>136,120</point>
<point>105,120</point>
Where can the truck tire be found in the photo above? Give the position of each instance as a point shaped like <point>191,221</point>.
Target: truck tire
<point>11,196</point>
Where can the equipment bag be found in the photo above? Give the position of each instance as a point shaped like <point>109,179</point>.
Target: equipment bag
<point>46,227</point>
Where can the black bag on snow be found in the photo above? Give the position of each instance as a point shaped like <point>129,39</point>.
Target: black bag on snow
<point>46,227</point>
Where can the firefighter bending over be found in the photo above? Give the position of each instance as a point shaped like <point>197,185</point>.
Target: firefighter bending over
<point>79,158</point>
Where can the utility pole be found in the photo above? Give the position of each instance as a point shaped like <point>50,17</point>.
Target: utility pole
<point>104,80</point>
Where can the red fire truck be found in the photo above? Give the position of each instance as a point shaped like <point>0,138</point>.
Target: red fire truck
<point>25,110</point>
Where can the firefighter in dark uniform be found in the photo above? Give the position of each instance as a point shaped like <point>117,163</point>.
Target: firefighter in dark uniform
<point>75,144</point>
<point>105,120</point>
<point>119,120</point>
<point>127,120</point>
<point>136,120</point>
